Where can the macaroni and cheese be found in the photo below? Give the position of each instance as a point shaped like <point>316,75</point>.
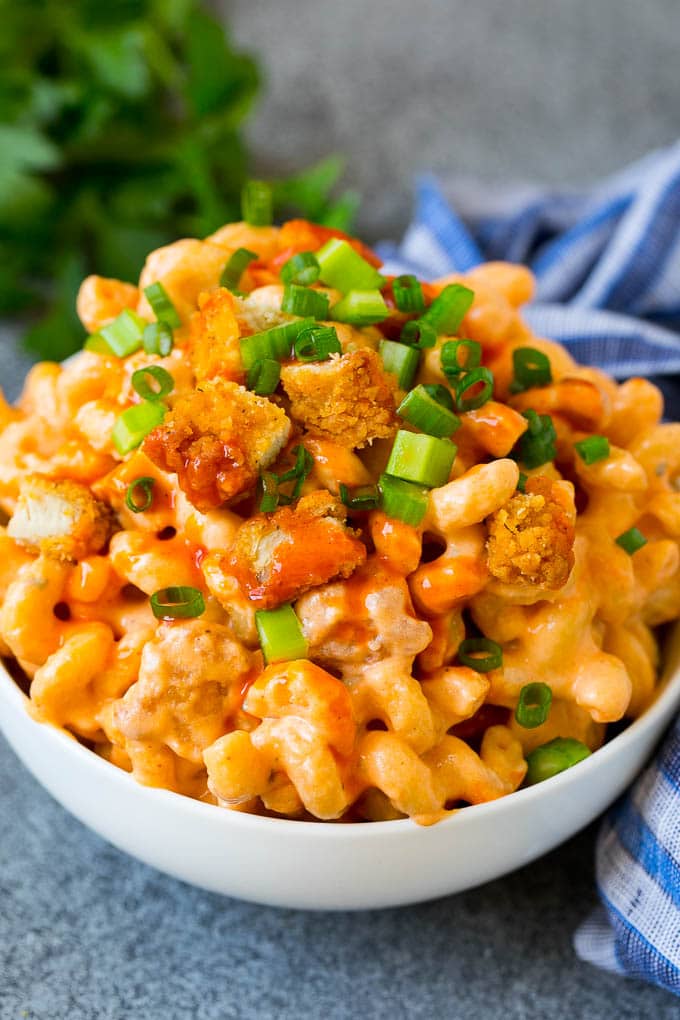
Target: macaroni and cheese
<point>294,538</point>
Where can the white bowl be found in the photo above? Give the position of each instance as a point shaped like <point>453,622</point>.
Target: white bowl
<point>322,866</point>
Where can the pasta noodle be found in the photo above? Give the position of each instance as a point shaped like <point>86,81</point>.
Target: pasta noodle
<point>556,568</point>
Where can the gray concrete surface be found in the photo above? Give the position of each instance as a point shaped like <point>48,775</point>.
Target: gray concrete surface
<point>560,90</point>
<point>556,90</point>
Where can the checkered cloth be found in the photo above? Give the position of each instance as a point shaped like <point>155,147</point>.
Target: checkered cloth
<point>607,265</point>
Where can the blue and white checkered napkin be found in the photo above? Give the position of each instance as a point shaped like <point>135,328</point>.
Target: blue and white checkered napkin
<point>607,265</point>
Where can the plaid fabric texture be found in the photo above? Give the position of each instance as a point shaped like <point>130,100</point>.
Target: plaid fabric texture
<point>607,266</point>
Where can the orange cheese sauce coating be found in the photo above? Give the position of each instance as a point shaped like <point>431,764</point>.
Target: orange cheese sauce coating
<point>382,719</point>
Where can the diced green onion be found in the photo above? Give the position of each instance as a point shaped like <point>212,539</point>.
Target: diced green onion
<point>157,339</point>
<point>178,602</point>
<point>317,343</point>
<point>408,294</point>
<point>133,426</point>
<point>96,342</point>
<point>303,301</point>
<point>533,706</point>
<point>257,204</point>
<point>481,654</point>
<point>522,482</point>
<point>592,448</point>
<point>425,460</point>
<point>403,500</point>
<point>366,497</point>
<point>468,396</point>
<point>304,462</point>
<point>302,268</point>
<point>400,360</point>
<point>236,267</point>
<point>428,414</point>
<point>343,268</point>
<point>139,495</point>
<point>263,377</point>
<point>631,540</point>
<point>458,356</point>
<point>124,334</point>
<point>275,343</point>
<point>418,333</point>
<point>538,444</point>
<point>449,308</point>
<point>280,634</point>
<point>163,308</point>
<point>549,759</point>
<point>143,382</point>
<point>270,492</point>
<point>360,308</point>
<point>441,394</point>
<point>531,368</point>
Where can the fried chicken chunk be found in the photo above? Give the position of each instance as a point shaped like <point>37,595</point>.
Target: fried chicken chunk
<point>349,399</point>
<point>216,439</point>
<point>214,337</point>
<point>531,537</point>
<point>276,558</point>
<point>61,520</point>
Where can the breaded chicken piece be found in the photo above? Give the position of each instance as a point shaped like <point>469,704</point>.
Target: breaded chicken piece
<point>277,557</point>
<point>214,337</point>
<point>216,439</point>
<point>61,520</point>
<point>531,537</point>
<point>349,399</point>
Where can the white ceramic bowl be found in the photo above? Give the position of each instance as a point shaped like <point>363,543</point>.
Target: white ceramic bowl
<point>321,866</point>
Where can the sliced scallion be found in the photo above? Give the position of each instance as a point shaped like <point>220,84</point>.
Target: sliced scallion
<point>178,602</point>
<point>400,360</point>
<point>263,376</point>
<point>592,448</point>
<point>275,343</point>
<point>428,414</point>
<point>458,356</point>
<point>403,500</point>
<point>481,654</point>
<point>280,634</point>
<point>343,268</point>
<point>366,497</point>
<point>473,389</point>
<point>537,445</point>
<point>257,204</point>
<point>550,759</point>
<point>631,540</point>
<point>163,308</point>
<point>236,267</point>
<point>531,368</point>
<point>408,294</point>
<point>157,339</point>
<point>302,268</point>
<point>449,308</point>
<point>133,425</point>
<point>303,301</point>
<point>418,333</point>
<point>422,459</point>
<point>124,334</point>
<point>139,495</point>
<point>533,706</point>
<point>360,308</point>
<point>152,382</point>
<point>317,343</point>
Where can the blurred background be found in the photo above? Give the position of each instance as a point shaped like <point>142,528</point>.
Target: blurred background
<point>126,124</point>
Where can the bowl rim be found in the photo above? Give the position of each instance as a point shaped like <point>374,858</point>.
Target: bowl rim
<point>668,694</point>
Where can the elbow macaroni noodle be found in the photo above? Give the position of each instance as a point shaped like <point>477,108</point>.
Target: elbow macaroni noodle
<point>381,720</point>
